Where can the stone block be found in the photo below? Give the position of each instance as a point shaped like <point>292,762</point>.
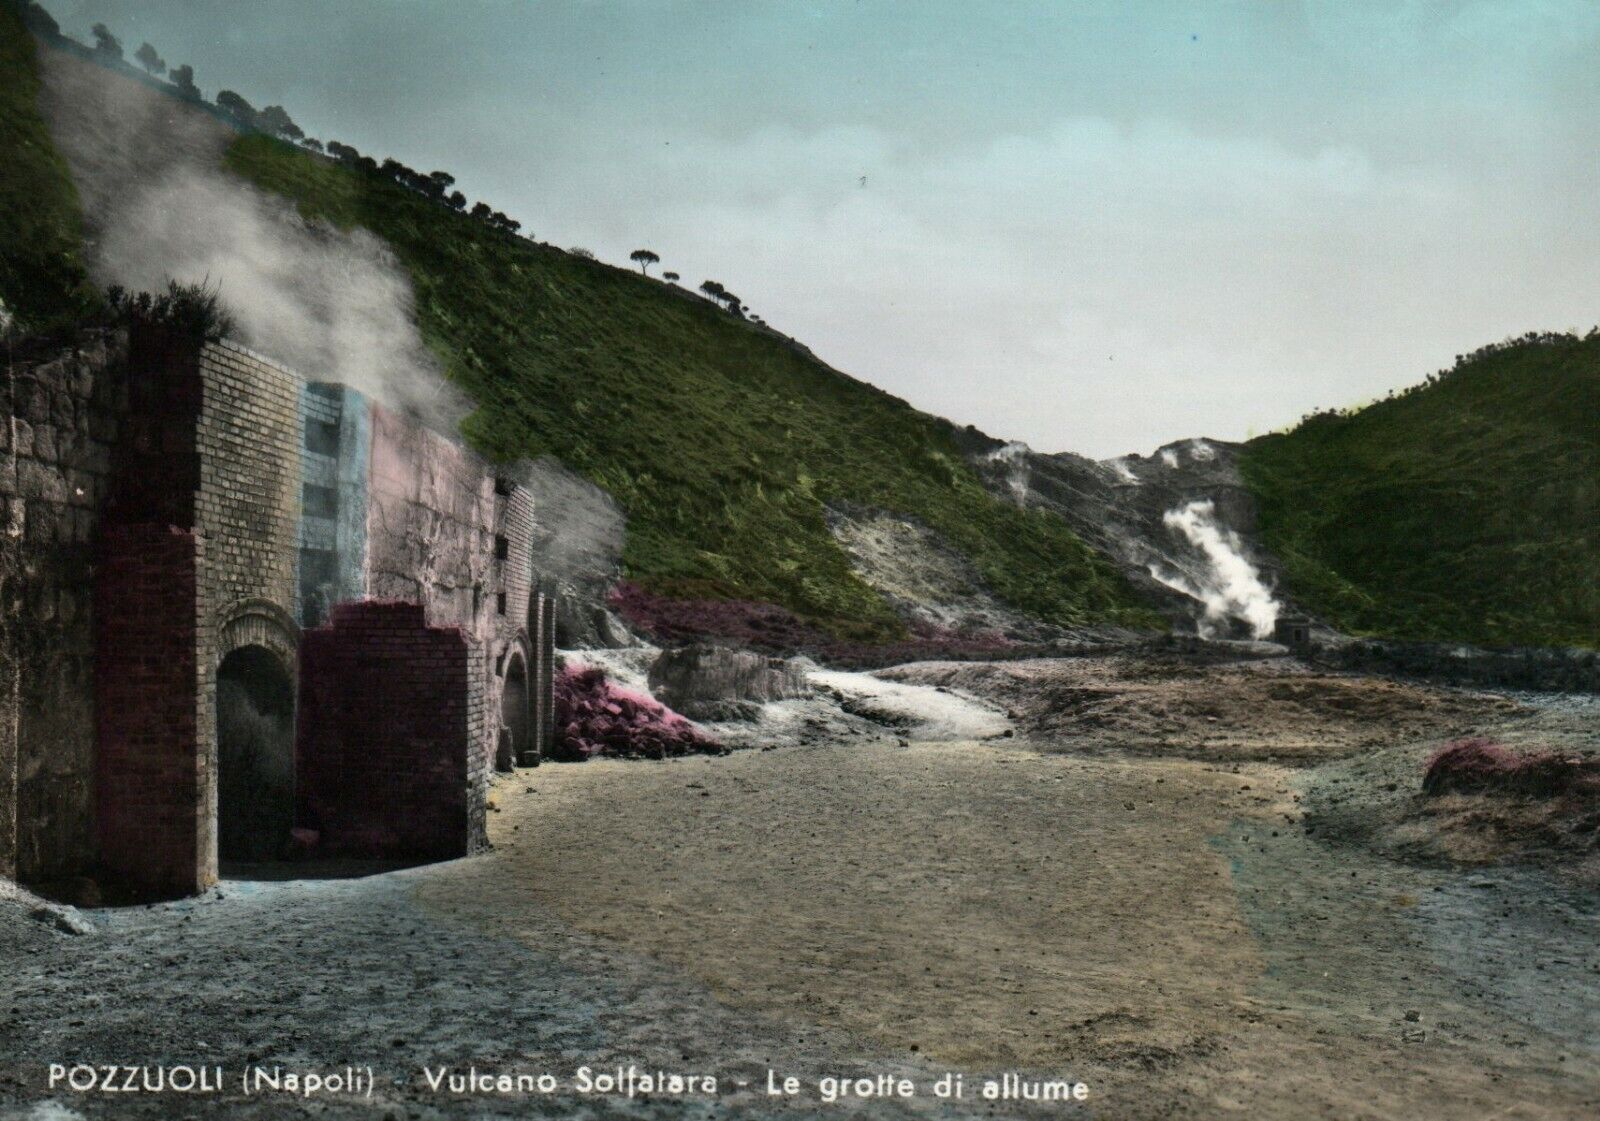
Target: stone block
<point>44,443</point>
<point>32,400</point>
<point>61,408</point>
<point>43,518</point>
<point>37,482</point>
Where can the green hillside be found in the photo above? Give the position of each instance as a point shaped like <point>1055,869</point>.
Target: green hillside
<point>1468,509</point>
<point>42,279</point>
<point>721,440</point>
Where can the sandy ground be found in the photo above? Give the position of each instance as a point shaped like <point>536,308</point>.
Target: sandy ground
<point>1191,937</point>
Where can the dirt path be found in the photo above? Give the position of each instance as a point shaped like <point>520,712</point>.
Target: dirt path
<point>1161,928</point>
<point>1191,938</point>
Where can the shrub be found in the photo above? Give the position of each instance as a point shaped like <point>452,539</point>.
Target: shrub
<point>593,717</point>
<point>1481,766</point>
<point>190,311</point>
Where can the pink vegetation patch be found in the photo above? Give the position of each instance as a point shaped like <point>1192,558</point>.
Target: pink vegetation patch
<point>594,716</point>
<point>1480,766</point>
<point>775,630</point>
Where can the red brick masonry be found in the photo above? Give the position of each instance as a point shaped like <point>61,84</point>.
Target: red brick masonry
<point>388,754</point>
<point>154,823</point>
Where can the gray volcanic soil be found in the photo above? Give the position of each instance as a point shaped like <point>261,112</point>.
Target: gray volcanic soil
<point>1192,929</point>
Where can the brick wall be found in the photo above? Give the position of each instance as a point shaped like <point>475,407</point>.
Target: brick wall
<point>247,509</point>
<point>248,503</point>
<point>390,755</point>
<point>542,623</point>
<point>182,471</point>
<point>155,825</point>
<point>444,529</point>
<point>513,576</point>
<point>60,419</point>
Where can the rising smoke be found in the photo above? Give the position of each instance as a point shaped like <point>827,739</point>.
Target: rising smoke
<point>1228,585</point>
<point>333,305</point>
<point>1124,472</point>
<point>1014,458</point>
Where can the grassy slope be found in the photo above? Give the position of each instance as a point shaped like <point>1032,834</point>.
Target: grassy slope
<point>1467,510</point>
<point>721,441</point>
<point>42,278</point>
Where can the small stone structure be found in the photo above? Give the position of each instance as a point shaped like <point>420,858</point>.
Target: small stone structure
<point>1293,631</point>
<point>190,534</point>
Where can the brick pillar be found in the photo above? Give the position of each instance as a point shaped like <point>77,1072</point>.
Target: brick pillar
<point>391,756</point>
<point>542,675</point>
<point>10,722</point>
<point>154,782</point>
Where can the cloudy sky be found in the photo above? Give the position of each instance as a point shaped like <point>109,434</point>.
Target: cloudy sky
<point>1095,227</point>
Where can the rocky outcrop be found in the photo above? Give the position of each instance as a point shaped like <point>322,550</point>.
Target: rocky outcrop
<point>1180,523</point>
<point>721,683</point>
<point>933,586</point>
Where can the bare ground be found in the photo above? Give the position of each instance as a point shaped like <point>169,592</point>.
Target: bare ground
<point>1194,931</point>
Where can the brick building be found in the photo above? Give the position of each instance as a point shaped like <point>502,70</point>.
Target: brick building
<point>234,603</point>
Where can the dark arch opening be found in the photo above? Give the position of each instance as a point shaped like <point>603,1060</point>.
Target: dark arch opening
<point>516,726</point>
<point>255,755</point>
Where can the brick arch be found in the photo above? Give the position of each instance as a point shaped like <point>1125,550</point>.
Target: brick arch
<point>518,643</point>
<point>258,622</point>
<point>514,706</point>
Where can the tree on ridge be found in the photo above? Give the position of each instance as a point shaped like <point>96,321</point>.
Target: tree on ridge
<point>147,57</point>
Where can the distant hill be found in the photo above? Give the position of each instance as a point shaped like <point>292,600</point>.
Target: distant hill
<point>724,442</point>
<point>1467,509</point>
<point>42,276</point>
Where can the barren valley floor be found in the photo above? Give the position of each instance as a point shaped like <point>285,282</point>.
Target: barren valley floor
<point>1191,937</point>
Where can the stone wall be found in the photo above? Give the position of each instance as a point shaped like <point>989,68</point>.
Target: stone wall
<point>390,748</point>
<point>156,826</point>
<point>248,505</point>
<point>56,434</point>
<point>542,625</point>
<point>159,506</point>
<point>247,510</point>
<point>445,530</point>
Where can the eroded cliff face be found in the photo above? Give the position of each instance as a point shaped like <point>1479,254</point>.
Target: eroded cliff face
<point>1180,522</point>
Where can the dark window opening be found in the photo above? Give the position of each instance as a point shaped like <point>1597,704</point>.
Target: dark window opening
<point>500,603</point>
<point>319,502</point>
<point>322,437</point>
<point>503,486</point>
<point>502,548</point>
<point>319,575</point>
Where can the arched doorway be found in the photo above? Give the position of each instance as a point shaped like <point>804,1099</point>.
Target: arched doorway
<point>255,755</point>
<point>517,727</point>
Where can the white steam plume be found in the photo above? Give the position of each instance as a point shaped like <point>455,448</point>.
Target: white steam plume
<point>1015,458</point>
<point>333,305</point>
<point>1169,457</point>
<point>1229,587</point>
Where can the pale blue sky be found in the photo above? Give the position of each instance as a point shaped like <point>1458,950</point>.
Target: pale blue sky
<point>1092,226</point>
